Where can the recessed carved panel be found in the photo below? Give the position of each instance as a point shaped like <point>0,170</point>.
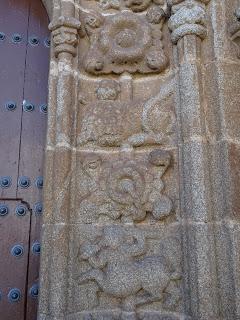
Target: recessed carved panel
<point>123,187</point>
<point>125,41</point>
<point>123,36</point>
<point>109,122</point>
<point>129,273</point>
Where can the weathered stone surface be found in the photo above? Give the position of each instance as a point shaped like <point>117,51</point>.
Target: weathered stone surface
<point>124,42</point>
<point>112,118</point>
<point>142,162</point>
<point>124,187</point>
<point>125,269</point>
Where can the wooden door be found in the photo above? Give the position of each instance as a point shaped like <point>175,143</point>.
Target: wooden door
<point>24,59</point>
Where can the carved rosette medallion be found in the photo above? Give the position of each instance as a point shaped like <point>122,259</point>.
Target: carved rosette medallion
<point>128,40</point>
<point>125,42</point>
<point>124,190</point>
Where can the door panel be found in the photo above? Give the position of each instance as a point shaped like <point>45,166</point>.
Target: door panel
<point>33,136</point>
<point>14,250</point>
<point>35,94</point>
<point>13,46</point>
<point>23,80</point>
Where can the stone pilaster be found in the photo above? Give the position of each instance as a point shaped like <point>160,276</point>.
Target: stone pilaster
<point>189,27</point>
<point>59,162</point>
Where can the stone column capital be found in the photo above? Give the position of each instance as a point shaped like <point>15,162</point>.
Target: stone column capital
<point>65,34</point>
<point>188,17</point>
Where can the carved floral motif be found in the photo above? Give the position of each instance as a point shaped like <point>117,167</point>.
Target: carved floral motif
<point>124,42</point>
<point>123,189</point>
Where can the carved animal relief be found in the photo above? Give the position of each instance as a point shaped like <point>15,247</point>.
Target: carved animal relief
<point>130,268</point>
<point>110,122</point>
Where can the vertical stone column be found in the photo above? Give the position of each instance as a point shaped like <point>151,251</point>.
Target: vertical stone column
<point>188,26</point>
<point>58,162</point>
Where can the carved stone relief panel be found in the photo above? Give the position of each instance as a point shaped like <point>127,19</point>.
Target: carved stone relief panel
<point>129,39</point>
<point>126,187</point>
<point>126,203</point>
<point>126,272</point>
<point>110,116</point>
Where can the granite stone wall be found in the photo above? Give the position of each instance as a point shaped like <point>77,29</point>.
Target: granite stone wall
<point>142,169</point>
